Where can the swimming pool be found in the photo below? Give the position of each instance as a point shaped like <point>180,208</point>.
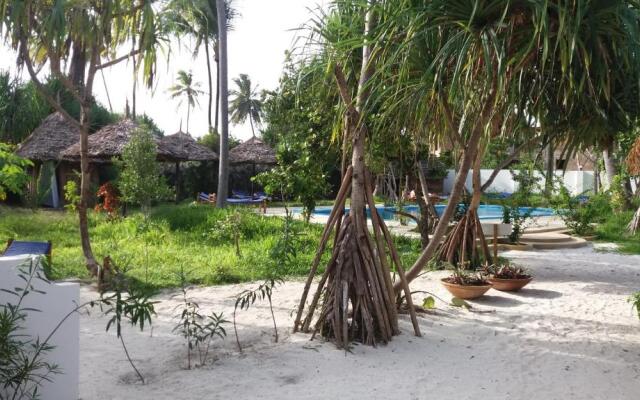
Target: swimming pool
<point>485,211</point>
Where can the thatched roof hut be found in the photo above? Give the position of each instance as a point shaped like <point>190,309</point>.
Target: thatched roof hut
<point>185,148</point>
<point>110,141</point>
<point>49,140</point>
<point>253,151</point>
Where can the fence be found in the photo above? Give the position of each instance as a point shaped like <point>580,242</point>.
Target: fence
<point>577,182</point>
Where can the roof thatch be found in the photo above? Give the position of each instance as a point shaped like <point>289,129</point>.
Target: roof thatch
<point>253,151</point>
<point>185,148</point>
<point>49,139</point>
<point>109,142</point>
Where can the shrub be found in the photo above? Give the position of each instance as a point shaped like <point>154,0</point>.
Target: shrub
<point>141,181</point>
<point>580,213</point>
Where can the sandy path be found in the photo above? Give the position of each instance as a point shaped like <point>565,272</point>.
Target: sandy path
<point>569,335</point>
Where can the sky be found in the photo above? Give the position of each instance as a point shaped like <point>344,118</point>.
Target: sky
<point>262,33</point>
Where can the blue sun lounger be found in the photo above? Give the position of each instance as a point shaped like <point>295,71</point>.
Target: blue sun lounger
<point>19,248</point>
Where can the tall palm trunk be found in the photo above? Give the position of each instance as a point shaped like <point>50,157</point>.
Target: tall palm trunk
<point>210,107</point>
<point>253,132</point>
<point>610,167</point>
<point>223,170</point>
<point>188,115</point>
<point>217,61</point>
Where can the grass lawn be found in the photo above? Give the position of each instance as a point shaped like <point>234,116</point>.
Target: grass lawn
<point>194,237</point>
<point>614,229</point>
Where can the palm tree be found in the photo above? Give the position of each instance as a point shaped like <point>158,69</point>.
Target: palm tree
<point>199,19</point>
<point>245,103</point>
<point>223,170</point>
<point>187,90</point>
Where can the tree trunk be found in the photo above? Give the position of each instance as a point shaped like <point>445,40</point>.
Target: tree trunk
<point>468,156</point>
<point>223,170</point>
<point>85,194</point>
<point>210,106</point>
<point>550,167</point>
<point>610,167</point>
<point>634,224</point>
<point>188,115</point>
<point>78,65</point>
<point>253,133</point>
<point>217,61</point>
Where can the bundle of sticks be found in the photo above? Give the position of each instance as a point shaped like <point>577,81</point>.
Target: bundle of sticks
<point>356,288</point>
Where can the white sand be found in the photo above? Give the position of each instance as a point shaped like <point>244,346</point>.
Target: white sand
<point>569,335</point>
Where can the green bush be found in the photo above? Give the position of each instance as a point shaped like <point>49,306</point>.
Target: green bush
<point>580,214</point>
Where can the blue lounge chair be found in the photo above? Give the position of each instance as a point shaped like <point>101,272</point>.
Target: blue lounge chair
<point>208,198</point>
<point>18,248</point>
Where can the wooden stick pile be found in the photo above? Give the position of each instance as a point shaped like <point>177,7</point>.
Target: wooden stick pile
<point>461,244</point>
<point>356,288</point>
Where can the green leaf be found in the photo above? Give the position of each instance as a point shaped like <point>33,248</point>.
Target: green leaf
<point>429,303</point>
<point>458,302</point>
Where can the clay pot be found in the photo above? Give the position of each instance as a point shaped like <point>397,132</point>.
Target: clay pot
<point>465,292</point>
<point>509,285</point>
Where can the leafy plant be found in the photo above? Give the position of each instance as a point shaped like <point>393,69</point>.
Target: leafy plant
<point>514,207</point>
<point>248,297</point>
<point>460,276</point>
<point>140,180</point>
<point>71,195</point>
<point>229,228</point>
<point>298,176</point>
<point>13,177</point>
<point>506,270</point>
<point>110,201</point>
<point>197,329</point>
<point>580,213</point>
<point>126,303</point>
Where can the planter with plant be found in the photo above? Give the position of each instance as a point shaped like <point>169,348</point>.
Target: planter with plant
<point>465,284</point>
<point>507,277</point>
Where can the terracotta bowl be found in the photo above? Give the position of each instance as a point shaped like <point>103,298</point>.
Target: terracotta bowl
<point>466,292</point>
<point>509,285</point>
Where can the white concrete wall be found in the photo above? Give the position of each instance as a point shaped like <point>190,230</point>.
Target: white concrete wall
<point>577,182</point>
<point>59,300</point>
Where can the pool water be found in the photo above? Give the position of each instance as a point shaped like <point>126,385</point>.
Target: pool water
<point>484,211</point>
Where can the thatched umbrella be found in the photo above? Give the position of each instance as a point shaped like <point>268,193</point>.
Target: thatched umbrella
<point>49,139</point>
<point>109,142</point>
<point>185,148</point>
<point>45,144</point>
<point>252,152</point>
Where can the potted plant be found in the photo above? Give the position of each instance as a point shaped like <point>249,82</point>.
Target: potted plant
<point>507,277</point>
<point>466,285</point>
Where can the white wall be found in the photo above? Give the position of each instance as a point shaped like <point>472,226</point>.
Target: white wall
<point>576,182</point>
<point>59,300</point>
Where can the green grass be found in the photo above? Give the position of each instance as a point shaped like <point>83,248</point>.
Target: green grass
<point>614,230</point>
<point>152,251</point>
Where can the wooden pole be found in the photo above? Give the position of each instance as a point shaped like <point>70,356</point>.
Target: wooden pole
<point>495,241</point>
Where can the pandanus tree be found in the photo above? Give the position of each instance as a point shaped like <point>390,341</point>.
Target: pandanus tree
<point>46,33</point>
<point>356,288</point>
<point>493,55</point>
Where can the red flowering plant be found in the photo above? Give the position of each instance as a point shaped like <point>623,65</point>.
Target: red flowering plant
<point>108,200</point>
